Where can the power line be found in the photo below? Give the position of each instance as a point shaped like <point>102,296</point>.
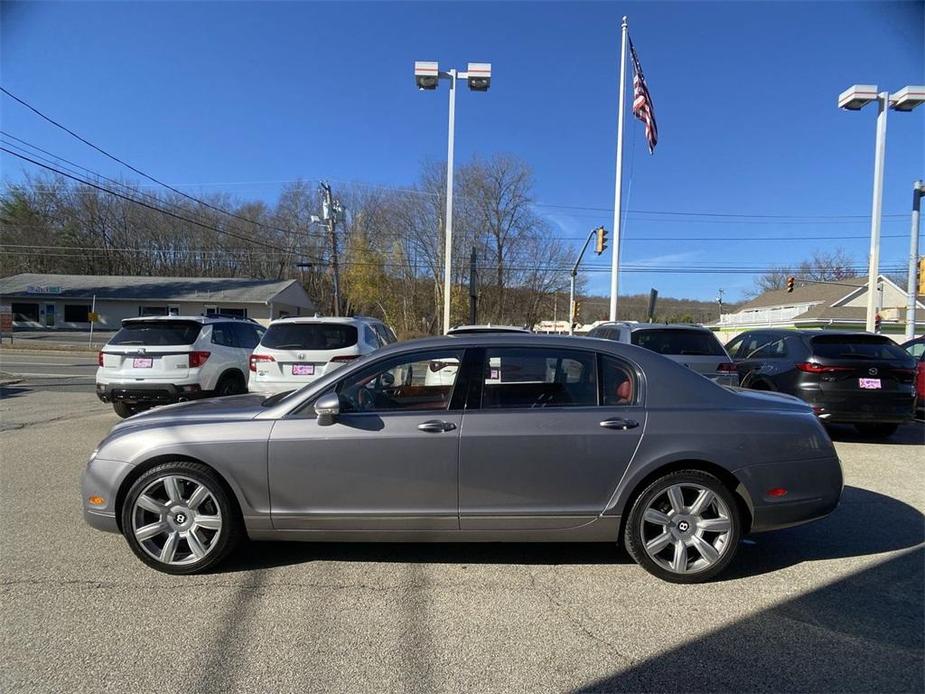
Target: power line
<point>144,204</point>
<point>138,171</point>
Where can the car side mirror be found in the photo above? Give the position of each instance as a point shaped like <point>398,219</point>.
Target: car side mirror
<point>327,407</point>
<point>387,379</point>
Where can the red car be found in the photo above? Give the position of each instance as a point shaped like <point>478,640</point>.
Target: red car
<point>916,348</point>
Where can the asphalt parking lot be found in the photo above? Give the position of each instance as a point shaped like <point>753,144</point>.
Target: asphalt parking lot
<point>832,606</point>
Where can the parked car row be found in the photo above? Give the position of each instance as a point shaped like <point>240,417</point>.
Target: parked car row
<point>166,359</point>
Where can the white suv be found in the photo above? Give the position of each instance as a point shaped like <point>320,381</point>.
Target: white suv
<point>163,359</point>
<point>297,350</point>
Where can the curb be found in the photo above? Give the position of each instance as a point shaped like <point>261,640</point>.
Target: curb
<point>25,346</point>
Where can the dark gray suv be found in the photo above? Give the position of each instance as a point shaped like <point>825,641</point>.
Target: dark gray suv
<point>526,438</point>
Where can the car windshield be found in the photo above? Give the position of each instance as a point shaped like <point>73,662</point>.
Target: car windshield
<point>310,336</point>
<point>681,341</point>
<point>157,333</point>
<point>857,347</point>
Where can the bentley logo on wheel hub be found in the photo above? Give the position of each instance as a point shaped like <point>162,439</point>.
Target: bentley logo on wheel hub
<point>684,526</point>
<point>180,518</point>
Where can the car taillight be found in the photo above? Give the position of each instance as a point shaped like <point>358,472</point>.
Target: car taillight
<point>727,366</point>
<point>811,368</point>
<point>197,359</point>
<point>99,358</point>
<point>345,357</point>
<point>259,357</point>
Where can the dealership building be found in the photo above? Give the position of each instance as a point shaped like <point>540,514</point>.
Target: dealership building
<point>64,302</point>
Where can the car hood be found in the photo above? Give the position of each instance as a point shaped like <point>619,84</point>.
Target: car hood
<point>231,408</point>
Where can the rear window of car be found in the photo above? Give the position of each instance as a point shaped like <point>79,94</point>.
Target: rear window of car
<point>668,341</point>
<point>310,336</point>
<point>859,347</point>
<point>157,333</point>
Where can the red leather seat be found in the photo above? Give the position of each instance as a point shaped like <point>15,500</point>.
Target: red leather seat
<point>625,391</point>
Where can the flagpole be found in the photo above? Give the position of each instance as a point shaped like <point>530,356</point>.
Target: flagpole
<point>618,186</point>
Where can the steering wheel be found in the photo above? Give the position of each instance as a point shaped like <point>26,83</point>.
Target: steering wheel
<point>365,399</point>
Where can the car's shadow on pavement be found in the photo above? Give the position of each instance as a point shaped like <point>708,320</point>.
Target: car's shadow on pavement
<point>910,434</point>
<point>864,523</point>
<point>860,633</point>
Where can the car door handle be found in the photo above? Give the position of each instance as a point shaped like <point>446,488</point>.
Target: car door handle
<point>436,426</point>
<point>619,423</point>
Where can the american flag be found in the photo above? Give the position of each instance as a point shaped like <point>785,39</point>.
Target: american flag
<point>642,102</point>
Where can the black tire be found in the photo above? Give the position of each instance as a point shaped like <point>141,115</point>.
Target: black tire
<point>876,431</point>
<point>123,409</point>
<point>220,503</point>
<point>633,531</point>
<point>230,384</point>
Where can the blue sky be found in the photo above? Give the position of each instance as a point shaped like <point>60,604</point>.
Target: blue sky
<point>238,97</point>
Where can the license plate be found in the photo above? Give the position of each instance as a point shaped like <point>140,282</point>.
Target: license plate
<point>303,369</point>
<point>869,383</point>
<point>145,363</point>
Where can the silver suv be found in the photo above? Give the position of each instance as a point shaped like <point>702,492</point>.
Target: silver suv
<point>164,359</point>
<point>692,345</point>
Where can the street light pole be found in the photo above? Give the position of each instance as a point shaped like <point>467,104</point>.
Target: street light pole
<point>448,251</point>
<point>873,272</point>
<point>854,99</point>
<point>426,76</point>
<point>918,189</point>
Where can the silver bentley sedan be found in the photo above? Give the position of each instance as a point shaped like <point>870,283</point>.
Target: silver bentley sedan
<point>476,437</point>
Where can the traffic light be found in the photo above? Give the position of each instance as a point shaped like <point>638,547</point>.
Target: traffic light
<point>921,282</point>
<point>877,322</point>
<point>600,241</point>
<point>790,281</point>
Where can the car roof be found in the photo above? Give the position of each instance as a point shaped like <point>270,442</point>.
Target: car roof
<point>812,332</point>
<point>486,328</point>
<point>633,326</point>
<point>346,320</point>
<point>205,320</point>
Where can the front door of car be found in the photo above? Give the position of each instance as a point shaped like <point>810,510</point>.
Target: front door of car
<point>387,461</point>
<point>554,433</point>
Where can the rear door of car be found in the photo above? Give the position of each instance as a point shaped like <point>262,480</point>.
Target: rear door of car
<point>548,438</point>
<point>150,350</point>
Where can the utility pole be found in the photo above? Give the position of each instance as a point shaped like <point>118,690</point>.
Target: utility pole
<point>918,190</point>
<point>329,212</point>
<point>473,289</point>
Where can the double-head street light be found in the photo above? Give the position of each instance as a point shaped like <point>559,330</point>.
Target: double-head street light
<point>855,98</point>
<point>427,76</point>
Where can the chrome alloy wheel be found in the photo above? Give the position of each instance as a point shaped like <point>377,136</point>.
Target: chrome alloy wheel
<point>685,529</point>
<point>176,520</point>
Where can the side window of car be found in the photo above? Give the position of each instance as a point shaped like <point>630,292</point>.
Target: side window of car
<point>370,337</point>
<point>223,334</point>
<point>422,381</point>
<point>733,346</point>
<point>248,336</point>
<point>617,383</point>
<point>519,377</point>
<point>386,335</point>
<point>917,349</point>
